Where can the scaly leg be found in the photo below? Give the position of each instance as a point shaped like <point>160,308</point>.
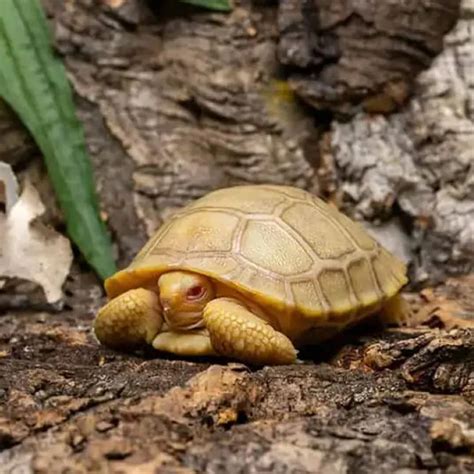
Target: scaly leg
<point>129,320</point>
<point>237,333</point>
<point>396,311</point>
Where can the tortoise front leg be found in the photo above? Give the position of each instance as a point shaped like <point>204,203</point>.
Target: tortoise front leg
<point>237,333</point>
<point>129,320</point>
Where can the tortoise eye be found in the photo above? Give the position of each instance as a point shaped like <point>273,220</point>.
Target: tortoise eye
<point>195,292</point>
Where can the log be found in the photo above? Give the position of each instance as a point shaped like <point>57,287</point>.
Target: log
<point>381,401</point>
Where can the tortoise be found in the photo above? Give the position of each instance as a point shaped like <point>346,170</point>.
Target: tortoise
<point>251,273</point>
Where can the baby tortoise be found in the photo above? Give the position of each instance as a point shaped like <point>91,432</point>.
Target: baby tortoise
<point>251,273</point>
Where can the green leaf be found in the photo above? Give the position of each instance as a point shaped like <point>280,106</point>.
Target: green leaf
<point>33,81</point>
<point>219,5</point>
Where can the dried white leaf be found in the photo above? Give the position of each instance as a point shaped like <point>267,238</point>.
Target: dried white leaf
<point>29,249</point>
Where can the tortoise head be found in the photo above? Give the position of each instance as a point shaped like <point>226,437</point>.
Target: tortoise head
<point>183,296</point>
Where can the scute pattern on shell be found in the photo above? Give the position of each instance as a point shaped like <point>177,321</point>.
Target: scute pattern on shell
<point>279,245</point>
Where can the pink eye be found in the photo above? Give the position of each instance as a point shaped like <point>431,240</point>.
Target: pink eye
<point>195,292</point>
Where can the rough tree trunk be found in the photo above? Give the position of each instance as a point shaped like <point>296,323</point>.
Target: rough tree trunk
<point>369,104</point>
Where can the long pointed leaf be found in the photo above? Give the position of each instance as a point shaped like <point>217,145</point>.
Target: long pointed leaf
<point>33,81</point>
<point>219,5</point>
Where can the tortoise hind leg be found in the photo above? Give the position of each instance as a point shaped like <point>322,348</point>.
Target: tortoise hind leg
<point>396,312</point>
<point>237,333</point>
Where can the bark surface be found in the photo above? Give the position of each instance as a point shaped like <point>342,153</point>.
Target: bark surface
<point>417,164</point>
<point>391,401</point>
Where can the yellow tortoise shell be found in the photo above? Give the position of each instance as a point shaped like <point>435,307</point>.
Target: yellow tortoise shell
<point>280,246</point>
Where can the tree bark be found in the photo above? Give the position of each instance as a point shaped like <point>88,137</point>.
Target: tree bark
<point>356,55</point>
<point>417,164</point>
<point>396,401</point>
